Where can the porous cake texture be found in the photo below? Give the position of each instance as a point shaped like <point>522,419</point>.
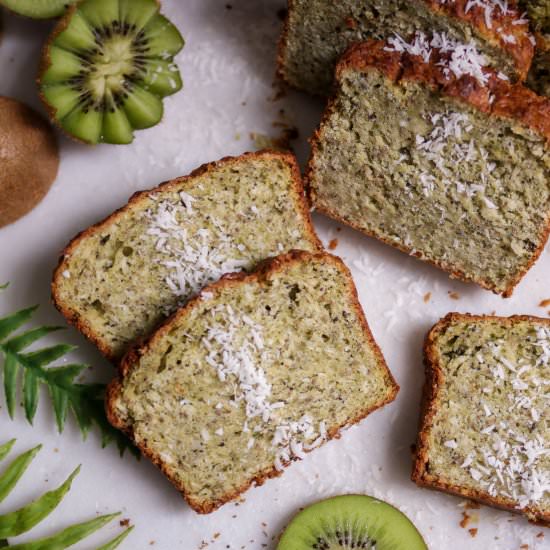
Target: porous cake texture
<point>254,373</point>
<point>485,430</point>
<point>118,279</point>
<point>446,161</point>
<point>317,32</point>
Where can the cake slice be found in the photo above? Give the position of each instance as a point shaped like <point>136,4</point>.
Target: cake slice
<point>485,432</point>
<point>117,280</point>
<point>438,156</point>
<point>255,372</point>
<point>317,32</point>
<point>538,12</point>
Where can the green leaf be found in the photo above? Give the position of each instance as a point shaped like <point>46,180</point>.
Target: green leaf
<point>4,286</point>
<point>15,470</point>
<point>13,322</point>
<point>43,357</point>
<point>30,394</point>
<point>11,370</point>
<point>6,448</point>
<point>23,520</point>
<point>117,541</point>
<point>67,537</point>
<point>24,340</point>
<point>84,400</point>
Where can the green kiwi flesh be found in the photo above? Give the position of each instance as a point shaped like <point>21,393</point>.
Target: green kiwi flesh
<point>351,521</point>
<point>37,9</point>
<point>107,67</point>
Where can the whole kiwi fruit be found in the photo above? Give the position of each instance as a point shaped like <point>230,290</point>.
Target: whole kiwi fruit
<point>29,158</point>
<point>37,9</point>
<point>351,521</point>
<point>106,68</point>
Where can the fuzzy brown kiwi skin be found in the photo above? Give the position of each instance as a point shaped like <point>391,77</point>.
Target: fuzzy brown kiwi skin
<point>45,64</point>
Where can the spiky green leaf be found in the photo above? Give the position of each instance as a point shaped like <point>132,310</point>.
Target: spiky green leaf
<point>12,322</point>
<point>67,537</point>
<point>23,520</point>
<point>35,368</point>
<point>24,340</point>
<point>117,541</point>
<point>6,448</point>
<point>11,370</point>
<point>15,470</point>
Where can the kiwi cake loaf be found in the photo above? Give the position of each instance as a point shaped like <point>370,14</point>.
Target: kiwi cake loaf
<point>253,373</point>
<point>117,280</point>
<point>446,161</point>
<point>317,32</point>
<point>485,430</point>
<point>538,13</point>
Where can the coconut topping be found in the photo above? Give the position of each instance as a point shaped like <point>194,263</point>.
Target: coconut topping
<point>193,260</point>
<point>458,58</point>
<point>509,463</point>
<point>439,150</point>
<point>236,349</point>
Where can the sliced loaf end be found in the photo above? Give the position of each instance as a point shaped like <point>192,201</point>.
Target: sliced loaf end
<point>118,279</point>
<point>418,155</point>
<point>484,423</point>
<point>252,374</point>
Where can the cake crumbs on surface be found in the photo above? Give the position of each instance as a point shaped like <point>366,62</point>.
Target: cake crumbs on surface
<point>333,244</point>
<point>124,522</point>
<point>540,535</point>
<point>466,518</point>
<point>473,532</point>
<point>453,295</point>
<point>427,297</point>
<point>544,303</point>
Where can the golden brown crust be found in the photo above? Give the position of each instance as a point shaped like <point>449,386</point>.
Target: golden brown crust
<point>513,101</point>
<point>265,270</point>
<point>434,381</point>
<point>74,318</point>
<point>520,47</point>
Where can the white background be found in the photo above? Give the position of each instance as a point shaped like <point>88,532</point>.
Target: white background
<point>228,68</point>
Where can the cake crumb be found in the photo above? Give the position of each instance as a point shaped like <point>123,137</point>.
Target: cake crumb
<point>454,295</point>
<point>473,532</point>
<point>333,244</point>
<point>471,505</point>
<point>465,520</point>
<point>524,547</point>
<point>540,535</point>
<point>427,297</point>
<point>545,303</point>
<point>124,522</point>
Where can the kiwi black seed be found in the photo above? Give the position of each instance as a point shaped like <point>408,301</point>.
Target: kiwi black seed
<point>37,9</point>
<point>106,68</point>
<point>351,522</point>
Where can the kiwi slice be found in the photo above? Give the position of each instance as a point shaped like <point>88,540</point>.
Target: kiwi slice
<point>351,521</point>
<point>106,68</point>
<point>37,9</point>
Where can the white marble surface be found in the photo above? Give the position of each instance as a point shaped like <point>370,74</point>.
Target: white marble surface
<point>228,68</point>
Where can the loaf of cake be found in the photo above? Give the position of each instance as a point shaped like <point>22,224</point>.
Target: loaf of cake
<point>117,280</point>
<point>538,13</point>
<point>317,32</point>
<point>485,427</point>
<point>445,160</point>
<point>256,371</point>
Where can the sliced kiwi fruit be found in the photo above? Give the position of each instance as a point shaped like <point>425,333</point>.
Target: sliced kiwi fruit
<point>37,9</point>
<point>351,521</point>
<point>106,68</point>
